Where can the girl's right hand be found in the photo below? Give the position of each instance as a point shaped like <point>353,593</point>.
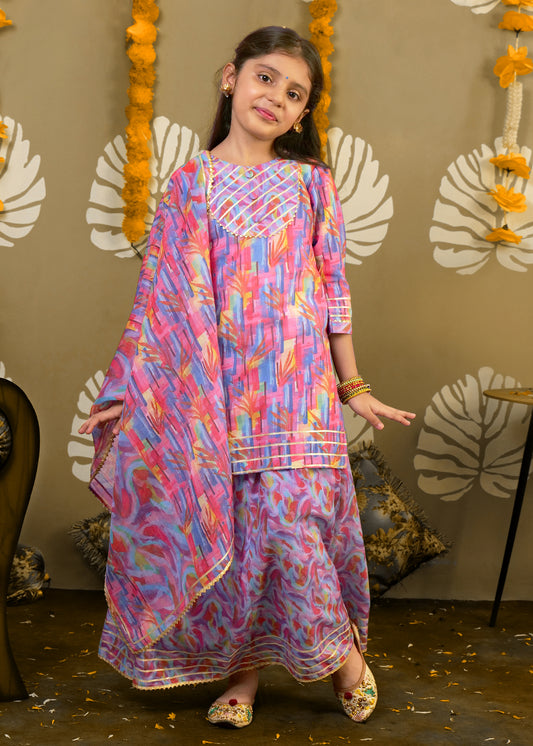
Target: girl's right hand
<point>112,413</point>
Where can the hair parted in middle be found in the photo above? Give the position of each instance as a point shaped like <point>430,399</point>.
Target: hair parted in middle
<point>304,147</point>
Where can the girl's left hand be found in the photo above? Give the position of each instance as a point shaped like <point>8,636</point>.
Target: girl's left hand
<point>369,407</point>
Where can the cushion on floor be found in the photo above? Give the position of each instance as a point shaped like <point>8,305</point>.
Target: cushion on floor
<point>91,536</point>
<point>27,576</point>
<point>397,536</point>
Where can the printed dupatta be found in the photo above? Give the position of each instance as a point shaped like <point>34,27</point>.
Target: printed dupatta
<point>166,477</point>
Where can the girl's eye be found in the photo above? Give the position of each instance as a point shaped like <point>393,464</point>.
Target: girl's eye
<point>264,77</point>
<point>295,96</point>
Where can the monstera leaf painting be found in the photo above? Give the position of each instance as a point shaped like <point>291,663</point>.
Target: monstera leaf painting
<point>172,147</point>
<point>366,206</point>
<point>80,448</point>
<point>478,6</point>
<point>21,188</point>
<point>465,213</point>
<point>470,441</point>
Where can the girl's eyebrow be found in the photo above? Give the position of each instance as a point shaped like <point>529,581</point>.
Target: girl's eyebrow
<point>277,72</point>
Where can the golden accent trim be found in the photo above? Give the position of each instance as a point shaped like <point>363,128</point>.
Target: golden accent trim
<point>302,675</point>
<point>283,432</point>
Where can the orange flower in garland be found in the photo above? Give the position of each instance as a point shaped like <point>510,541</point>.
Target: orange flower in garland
<point>4,21</point>
<point>523,3</point>
<point>517,164</point>
<point>321,31</point>
<point>514,21</point>
<point>3,127</point>
<point>508,199</point>
<point>508,68</point>
<point>503,234</point>
<point>142,35</point>
<point>515,62</point>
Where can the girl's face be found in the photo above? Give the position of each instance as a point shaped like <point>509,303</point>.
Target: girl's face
<point>269,95</point>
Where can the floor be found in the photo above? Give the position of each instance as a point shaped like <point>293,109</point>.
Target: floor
<point>444,677</point>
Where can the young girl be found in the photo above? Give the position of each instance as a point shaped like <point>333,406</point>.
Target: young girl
<point>220,447</point>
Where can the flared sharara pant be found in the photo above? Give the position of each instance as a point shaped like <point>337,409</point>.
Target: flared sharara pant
<point>297,581</point>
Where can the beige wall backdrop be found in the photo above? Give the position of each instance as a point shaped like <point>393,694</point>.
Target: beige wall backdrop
<point>439,313</point>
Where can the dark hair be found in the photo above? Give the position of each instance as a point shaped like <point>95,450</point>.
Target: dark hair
<point>304,147</point>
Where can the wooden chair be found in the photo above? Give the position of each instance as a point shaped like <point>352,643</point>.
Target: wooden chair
<point>17,475</point>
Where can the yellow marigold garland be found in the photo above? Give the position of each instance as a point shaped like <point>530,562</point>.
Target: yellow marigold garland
<point>511,163</point>
<point>321,30</point>
<point>4,21</point>
<point>141,35</point>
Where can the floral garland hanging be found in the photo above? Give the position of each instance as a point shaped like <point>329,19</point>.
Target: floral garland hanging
<point>4,21</point>
<point>321,31</point>
<point>141,35</point>
<point>511,163</point>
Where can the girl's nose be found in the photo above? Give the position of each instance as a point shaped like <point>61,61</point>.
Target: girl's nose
<point>274,95</point>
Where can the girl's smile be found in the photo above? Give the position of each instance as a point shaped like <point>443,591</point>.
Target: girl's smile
<point>269,95</point>
<point>266,114</point>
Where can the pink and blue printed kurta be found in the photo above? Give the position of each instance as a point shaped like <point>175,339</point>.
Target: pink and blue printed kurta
<point>235,539</point>
<point>278,275</point>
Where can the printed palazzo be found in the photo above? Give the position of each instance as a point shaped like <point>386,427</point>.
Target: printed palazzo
<point>297,579</point>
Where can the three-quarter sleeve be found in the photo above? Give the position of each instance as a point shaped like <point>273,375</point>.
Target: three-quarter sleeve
<point>329,245</point>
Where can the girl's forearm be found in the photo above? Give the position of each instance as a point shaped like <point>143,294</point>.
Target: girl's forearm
<point>343,355</point>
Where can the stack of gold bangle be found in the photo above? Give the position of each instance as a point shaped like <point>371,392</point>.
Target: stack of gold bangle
<point>352,387</point>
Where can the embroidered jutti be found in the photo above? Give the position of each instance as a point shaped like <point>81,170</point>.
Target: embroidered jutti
<point>235,538</point>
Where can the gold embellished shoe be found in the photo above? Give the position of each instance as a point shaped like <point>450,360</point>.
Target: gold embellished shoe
<point>359,701</point>
<point>232,713</point>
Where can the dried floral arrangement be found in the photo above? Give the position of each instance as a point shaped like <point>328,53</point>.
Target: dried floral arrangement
<point>4,21</point>
<point>141,37</point>
<point>511,164</point>
<point>321,30</point>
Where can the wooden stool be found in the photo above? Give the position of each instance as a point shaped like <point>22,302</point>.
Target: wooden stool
<point>519,396</point>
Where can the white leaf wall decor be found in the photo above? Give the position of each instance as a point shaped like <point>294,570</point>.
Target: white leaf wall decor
<point>478,6</point>
<point>366,205</point>
<point>80,448</point>
<point>172,147</point>
<point>465,213</point>
<point>3,372</point>
<point>21,188</point>
<point>469,440</point>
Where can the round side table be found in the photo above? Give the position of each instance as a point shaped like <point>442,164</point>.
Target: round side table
<point>517,396</point>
